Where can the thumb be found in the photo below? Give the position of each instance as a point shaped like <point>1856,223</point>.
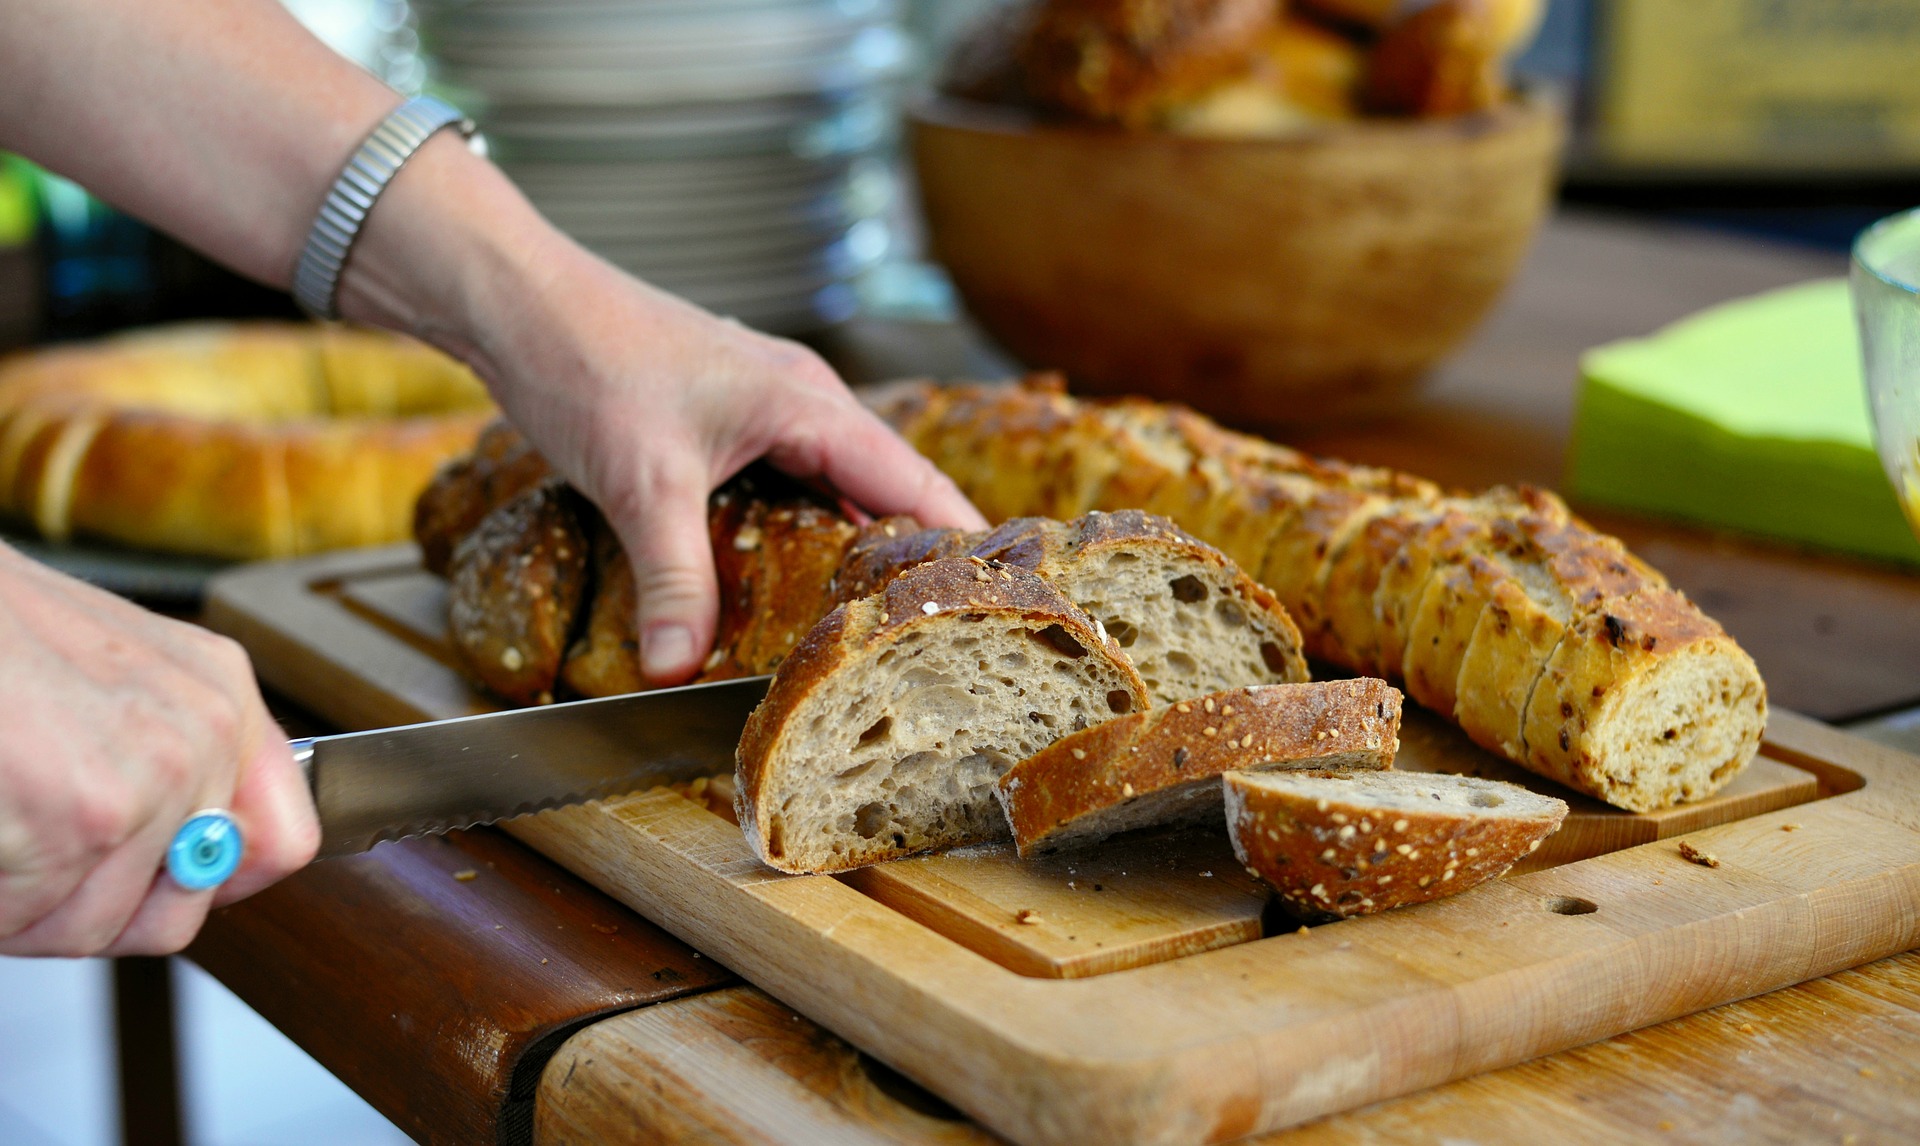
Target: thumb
<point>673,578</point>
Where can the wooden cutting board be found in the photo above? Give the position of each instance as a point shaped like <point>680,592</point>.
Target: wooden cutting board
<point>1155,999</point>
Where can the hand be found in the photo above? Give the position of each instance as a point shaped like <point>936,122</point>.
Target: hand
<point>645,402</point>
<point>119,724</point>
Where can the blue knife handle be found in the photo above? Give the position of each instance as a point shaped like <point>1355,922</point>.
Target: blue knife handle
<point>206,850</point>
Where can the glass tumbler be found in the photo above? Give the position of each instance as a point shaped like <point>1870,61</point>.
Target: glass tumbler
<point>1886,302</point>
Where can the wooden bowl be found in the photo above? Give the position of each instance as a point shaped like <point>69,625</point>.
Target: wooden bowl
<point>1265,281</point>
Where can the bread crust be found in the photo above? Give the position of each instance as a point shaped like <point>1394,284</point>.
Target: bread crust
<point>231,440</point>
<point>924,601</point>
<point>1128,61</point>
<point>516,592</point>
<point>1149,755</point>
<point>1328,859</point>
<point>502,465</point>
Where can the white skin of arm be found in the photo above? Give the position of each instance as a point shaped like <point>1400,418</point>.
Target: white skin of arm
<point>223,122</point>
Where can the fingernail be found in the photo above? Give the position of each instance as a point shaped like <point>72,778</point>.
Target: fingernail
<point>665,650</point>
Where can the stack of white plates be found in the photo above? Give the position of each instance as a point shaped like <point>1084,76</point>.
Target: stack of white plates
<point>726,150</point>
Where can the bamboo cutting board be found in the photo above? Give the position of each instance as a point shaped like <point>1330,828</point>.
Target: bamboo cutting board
<point>1154,1000</point>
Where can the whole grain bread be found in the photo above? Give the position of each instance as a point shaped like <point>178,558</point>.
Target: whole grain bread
<point>1335,845</point>
<point>1162,766</point>
<point>1191,620</point>
<point>516,591</point>
<point>885,729</point>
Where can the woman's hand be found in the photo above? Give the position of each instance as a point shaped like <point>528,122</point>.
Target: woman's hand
<point>115,726</point>
<point>643,401</point>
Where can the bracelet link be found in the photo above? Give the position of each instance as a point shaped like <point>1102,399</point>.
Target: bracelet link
<point>316,277</point>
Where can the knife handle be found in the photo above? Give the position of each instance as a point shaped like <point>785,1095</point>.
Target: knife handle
<point>207,849</point>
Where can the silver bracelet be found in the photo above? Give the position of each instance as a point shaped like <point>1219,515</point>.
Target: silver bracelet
<point>316,279</point>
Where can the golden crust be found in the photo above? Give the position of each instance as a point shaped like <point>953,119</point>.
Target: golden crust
<point>1145,754</point>
<point>241,441</point>
<point>501,466</point>
<point>1129,61</point>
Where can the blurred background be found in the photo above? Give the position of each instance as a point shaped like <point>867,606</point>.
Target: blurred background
<point>747,154</point>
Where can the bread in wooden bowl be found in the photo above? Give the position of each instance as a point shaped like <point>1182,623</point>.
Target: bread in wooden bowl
<point>885,729</point>
<point>1339,844</point>
<point>1163,766</point>
<point>231,440</point>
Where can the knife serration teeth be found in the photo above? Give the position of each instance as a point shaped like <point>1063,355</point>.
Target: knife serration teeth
<point>481,818</point>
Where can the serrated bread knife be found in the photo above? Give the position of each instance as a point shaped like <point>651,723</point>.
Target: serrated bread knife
<point>395,782</point>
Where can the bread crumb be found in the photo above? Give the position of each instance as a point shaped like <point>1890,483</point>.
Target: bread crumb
<point>543,962</point>
<point>1028,915</point>
<point>1206,875</point>
<point>1694,855</point>
<point>1868,1072</point>
<point>1789,827</point>
<point>466,876</point>
<point>1745,1028</point>
<point>1664,1124</point>
<point>606,928</point>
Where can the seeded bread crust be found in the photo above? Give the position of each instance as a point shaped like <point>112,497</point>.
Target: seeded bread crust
<point>502,467</point>
<point>1337,845</point>
<point>516,590</point>
<point>783,754</point>
<point>1161,767</point>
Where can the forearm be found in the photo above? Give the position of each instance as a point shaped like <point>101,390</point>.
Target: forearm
<point>224,122</point>
<point>220,121</point>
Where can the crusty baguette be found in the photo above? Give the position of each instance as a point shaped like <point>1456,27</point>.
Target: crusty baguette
<point>1162,766</point>
<point>502,466</point>
<point>884,731</point>
<point>1336,845</point>
<point>1471,597</point>
<point>1191,621</point>
<point>1646,702</point>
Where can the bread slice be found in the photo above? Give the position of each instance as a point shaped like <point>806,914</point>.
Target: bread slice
<point>1335,845</point>
<point>1645,703</point>
<point>1161,767</point>
<point>1191,620</point>
<point>884,731</point>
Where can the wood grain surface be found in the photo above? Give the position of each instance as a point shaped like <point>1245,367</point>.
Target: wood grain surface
<point>1829,1061</point>
<point>435,976</point>
<point>1271,1033</point>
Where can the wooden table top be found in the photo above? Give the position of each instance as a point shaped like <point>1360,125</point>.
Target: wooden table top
<point>441,998</point>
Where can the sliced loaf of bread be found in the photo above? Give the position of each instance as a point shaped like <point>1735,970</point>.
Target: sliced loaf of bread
<point>1188,617</point>
<point>1335,845</point>
<point>1162,766</point>
<point>885,729</point>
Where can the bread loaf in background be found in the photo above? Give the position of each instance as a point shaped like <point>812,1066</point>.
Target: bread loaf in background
<point>1493,609</point>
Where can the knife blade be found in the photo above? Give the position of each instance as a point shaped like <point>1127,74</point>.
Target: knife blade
<point>390,783</point>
